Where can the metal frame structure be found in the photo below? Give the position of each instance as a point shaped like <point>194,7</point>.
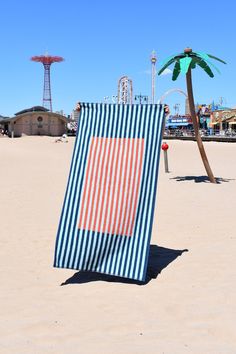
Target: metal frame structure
<point>171,91</point>
<point>125,90</point>
<point>153,62</point>
<point>167,93</point>
<point>47,61</point>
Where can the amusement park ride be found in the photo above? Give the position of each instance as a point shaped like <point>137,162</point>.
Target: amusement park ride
<point>125,84</point>
<point>153,62</point>
<point>47,61</point>
<point>125,90</point>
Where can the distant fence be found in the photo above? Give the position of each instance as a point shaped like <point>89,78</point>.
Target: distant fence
<point>207,135</point>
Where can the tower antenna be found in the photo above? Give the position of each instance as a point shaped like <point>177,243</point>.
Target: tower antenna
<point>153,62</point>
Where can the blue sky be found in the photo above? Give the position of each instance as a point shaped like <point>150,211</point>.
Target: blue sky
<point>104,40</point>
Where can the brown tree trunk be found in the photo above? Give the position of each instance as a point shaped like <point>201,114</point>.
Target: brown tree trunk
<point>196,128</point>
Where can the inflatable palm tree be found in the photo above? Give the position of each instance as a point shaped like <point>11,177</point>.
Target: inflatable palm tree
<point>184,63</point>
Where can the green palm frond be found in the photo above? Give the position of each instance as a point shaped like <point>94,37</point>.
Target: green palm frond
<point>164,62</point>
<point>180,56</point>
<point>176,70</point>
<point>206,58</point>
<point>188,60</point>
<point>192,54</point>
<point>213,57</point>
<point>193,65</point>
<point>171,61</point>
<point>202,63</point>
<point>184,64</point>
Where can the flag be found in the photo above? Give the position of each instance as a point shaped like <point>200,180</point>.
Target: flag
<point>107,215</point>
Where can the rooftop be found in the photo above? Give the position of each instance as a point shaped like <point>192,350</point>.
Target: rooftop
<point>32,109</point>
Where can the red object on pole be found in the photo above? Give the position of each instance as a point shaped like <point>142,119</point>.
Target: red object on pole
<point>47,61</point>
<point>165,146</point>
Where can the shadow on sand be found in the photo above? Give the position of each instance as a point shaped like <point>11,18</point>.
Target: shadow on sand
<point>201,179</point>
<point>159,258</point>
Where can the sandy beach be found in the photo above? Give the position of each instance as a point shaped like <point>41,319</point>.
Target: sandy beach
<point>187,304</point>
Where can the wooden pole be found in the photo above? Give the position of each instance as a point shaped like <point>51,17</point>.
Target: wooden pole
<point>196,128</point>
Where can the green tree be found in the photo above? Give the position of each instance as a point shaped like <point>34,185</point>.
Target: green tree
<point>184,63</point>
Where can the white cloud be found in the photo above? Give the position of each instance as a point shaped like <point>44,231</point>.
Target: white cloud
<point>166,72</point>
<point>147,72</point>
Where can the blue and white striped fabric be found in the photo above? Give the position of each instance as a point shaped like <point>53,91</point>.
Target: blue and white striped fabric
<point>107,216</point>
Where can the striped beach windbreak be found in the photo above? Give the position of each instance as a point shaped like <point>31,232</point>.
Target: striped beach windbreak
<point>107,216</point>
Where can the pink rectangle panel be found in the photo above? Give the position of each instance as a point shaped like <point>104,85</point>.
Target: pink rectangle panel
<point>111,186</point>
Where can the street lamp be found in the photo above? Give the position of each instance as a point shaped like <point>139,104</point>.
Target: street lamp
<point>141,98</point>
<point>176,108</point>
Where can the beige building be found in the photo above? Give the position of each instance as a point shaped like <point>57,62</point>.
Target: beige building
<point>36,121</point>
<point>224,119</point>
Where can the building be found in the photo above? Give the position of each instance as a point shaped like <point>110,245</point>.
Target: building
<point>223,119</point>
<point>36,120</point>
<point>179,121</point>
<point>74,115</point>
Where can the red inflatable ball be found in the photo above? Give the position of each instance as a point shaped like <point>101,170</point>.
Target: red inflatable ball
<point>165,146</point>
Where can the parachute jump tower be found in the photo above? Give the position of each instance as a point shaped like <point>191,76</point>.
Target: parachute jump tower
<point>47,61</point>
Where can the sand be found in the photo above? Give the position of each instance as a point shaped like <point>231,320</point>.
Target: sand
<point>188,302</point>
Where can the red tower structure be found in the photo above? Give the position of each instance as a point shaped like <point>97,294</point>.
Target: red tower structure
<point>47,61</point>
